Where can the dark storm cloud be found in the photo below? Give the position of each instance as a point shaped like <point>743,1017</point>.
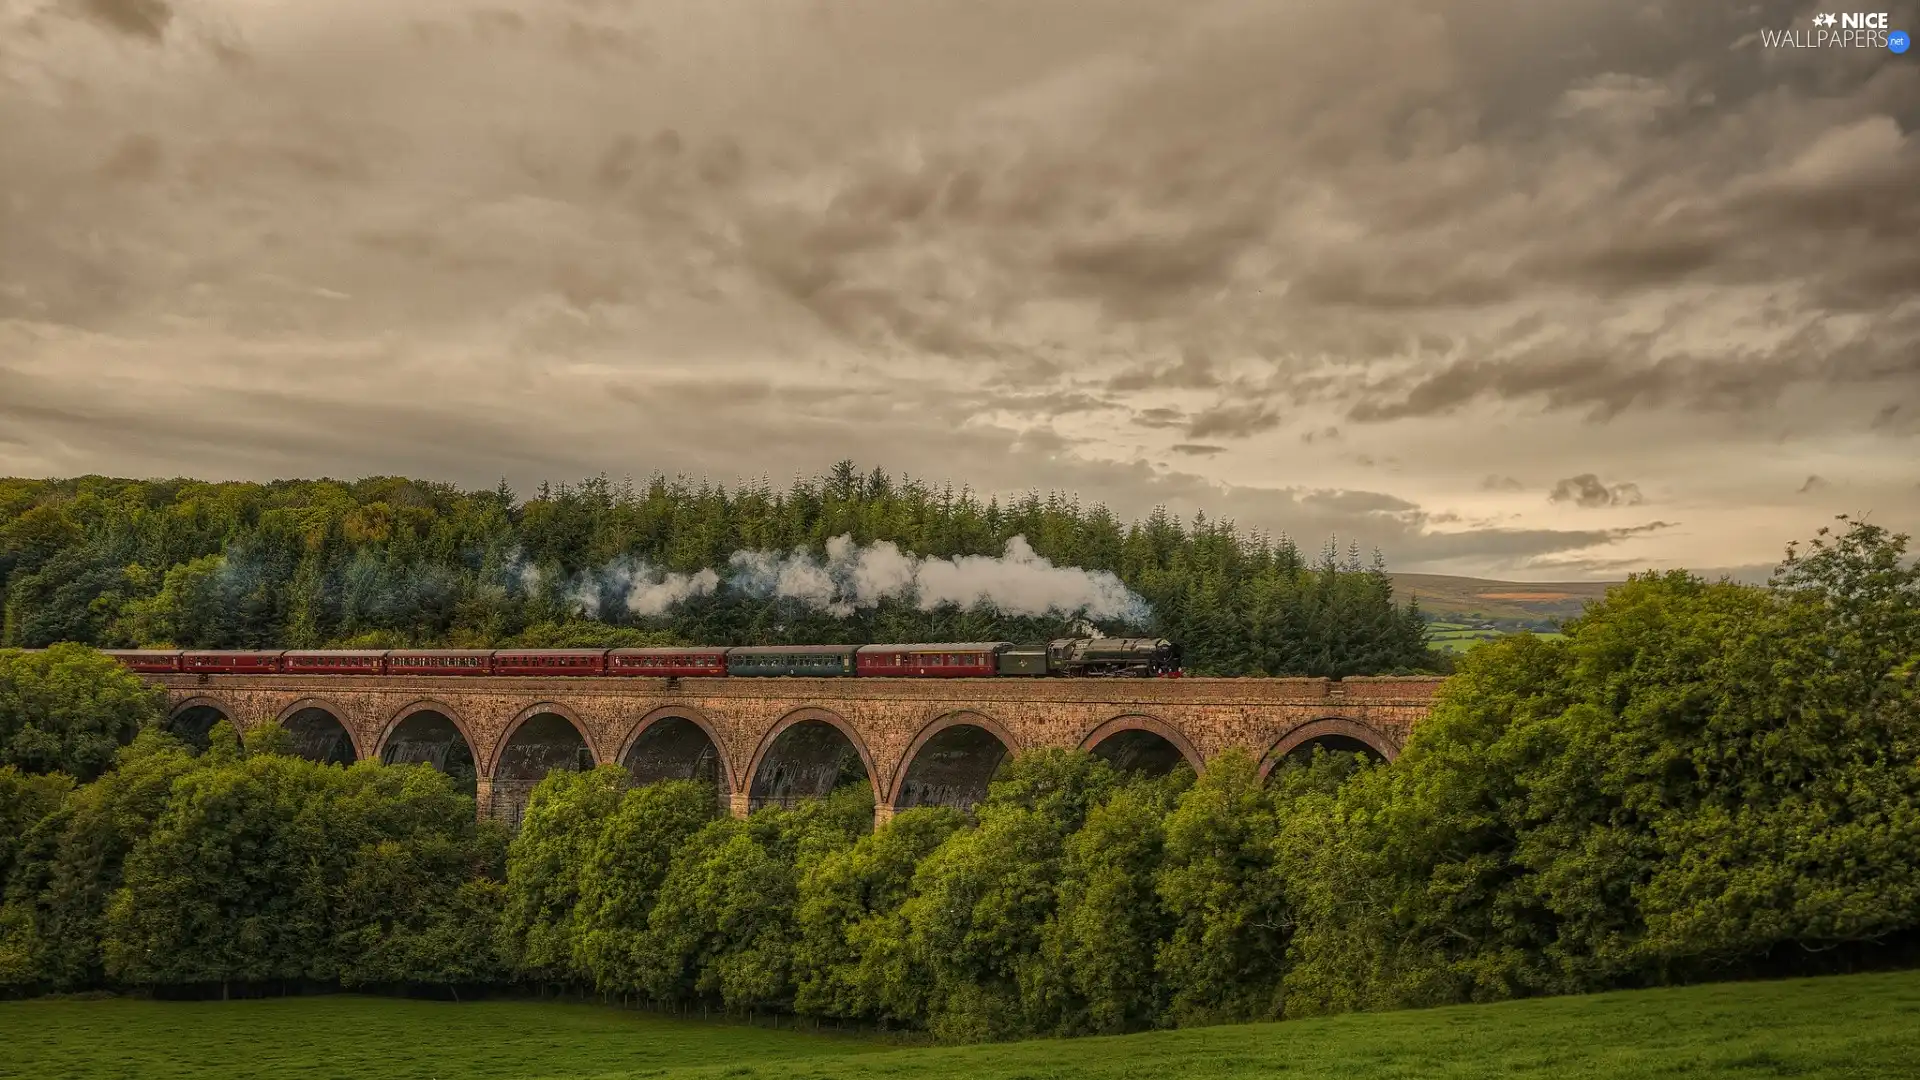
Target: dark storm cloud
<point>137,158</point>
<point>135,18</point>
<point>282,429</point>
<point>1588,491</point>
<point>1159,417</point>
<point>1813,484</point>
<point>1193,371</point>
<point>1197,449</point>
<point>1634,372</point>
<point>1501,483</point>
<point>1233,420</point>
<point>1140,274</point>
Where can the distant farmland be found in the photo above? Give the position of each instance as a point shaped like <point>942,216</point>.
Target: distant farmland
<point>1479,598</point>
<point>1464,611</point>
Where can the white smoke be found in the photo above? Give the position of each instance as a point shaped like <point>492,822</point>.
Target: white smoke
<point>522,572</point>
<point>1018,582</point>
<point>653,596</point>
<point>645,589</point>
<point>853,578</point>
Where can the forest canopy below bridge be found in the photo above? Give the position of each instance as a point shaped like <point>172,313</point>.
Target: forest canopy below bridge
<point>846,557</point>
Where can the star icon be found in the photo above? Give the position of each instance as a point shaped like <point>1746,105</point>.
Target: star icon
<point>1824,20</point>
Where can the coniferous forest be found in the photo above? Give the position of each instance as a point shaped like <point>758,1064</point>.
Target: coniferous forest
<point>389,562</point>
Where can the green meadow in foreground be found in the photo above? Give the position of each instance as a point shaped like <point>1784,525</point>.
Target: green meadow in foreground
<point>1853,1026</point>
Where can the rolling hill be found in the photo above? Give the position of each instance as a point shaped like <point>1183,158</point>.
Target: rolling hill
<point>1457,598</point>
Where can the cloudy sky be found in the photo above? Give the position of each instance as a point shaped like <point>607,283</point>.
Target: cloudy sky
<point>1524,289</point>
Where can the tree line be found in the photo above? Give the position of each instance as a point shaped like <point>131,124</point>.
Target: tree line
<point>1700,780</point>
<point>390,562</point>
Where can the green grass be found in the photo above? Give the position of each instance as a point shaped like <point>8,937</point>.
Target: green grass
<point>1856,1026</point>
<point>1458,639</point>
<point>351,1038</point>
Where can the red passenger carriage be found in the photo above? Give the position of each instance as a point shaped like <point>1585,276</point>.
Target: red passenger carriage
<point>440,662</point>
<point>333,662</point>
<point>691,662</point>
<point>231,663</point>
<point>964,660</point>
<point>145,659</point>
<point>550,662</point>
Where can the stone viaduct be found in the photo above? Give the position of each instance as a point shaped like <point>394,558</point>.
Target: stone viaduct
<point>772,741</point>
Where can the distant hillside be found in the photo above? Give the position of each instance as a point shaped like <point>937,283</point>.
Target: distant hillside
<point>1443,595</point>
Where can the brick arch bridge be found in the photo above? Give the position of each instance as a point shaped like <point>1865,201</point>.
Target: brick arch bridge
<point>765,741</point>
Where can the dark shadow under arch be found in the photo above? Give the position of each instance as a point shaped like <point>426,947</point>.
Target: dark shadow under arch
<point>1142,744</point>
<point>1332,733</point>
<point>539,741</point>
<point>808,754</point>
<point>192,721</point>
<point>951,762</point>
<point>428,733</point>
<point>677,743</point>
<point>319,735</point>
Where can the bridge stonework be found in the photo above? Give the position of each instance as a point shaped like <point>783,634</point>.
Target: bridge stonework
<point>889,723</point>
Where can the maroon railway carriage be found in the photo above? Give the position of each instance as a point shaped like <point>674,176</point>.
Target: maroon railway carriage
<point>962,660</point>
<point>440,662</point>
<point>690,662</point>
<point>333,662</point>
<point>231,663</point>
<point>550,662</point>
<point>145,659</point>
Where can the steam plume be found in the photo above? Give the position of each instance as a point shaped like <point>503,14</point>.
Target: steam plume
<point>1018,582</point>
<point>853,578</point>
<point>645,589</point>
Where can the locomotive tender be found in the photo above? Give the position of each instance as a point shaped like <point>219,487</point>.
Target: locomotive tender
<point>1065,658</point>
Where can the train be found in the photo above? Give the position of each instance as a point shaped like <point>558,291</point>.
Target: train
<point>1062,658</point>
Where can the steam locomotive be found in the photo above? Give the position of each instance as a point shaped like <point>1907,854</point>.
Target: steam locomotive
<point>1065,658</point>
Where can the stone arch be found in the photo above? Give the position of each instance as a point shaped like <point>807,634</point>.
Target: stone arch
<point>446,744</point>
<point>555,738</point>
<point>797,758</point>
<point>1142,742</point>
<point>327,741</point>
<point>191,721</point>
<point>951,761</point>
<point>673,734</point>
<point>1332,732</point>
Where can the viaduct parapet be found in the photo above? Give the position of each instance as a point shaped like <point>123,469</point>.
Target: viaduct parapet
<point>767,741</point>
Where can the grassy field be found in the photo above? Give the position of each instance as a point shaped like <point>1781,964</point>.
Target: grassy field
<point>1459,637</point>
<point>1856,1026</point>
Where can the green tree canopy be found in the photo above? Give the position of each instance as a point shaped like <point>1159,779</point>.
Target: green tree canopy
<point>1700,778</point>
<point>69,709</point>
